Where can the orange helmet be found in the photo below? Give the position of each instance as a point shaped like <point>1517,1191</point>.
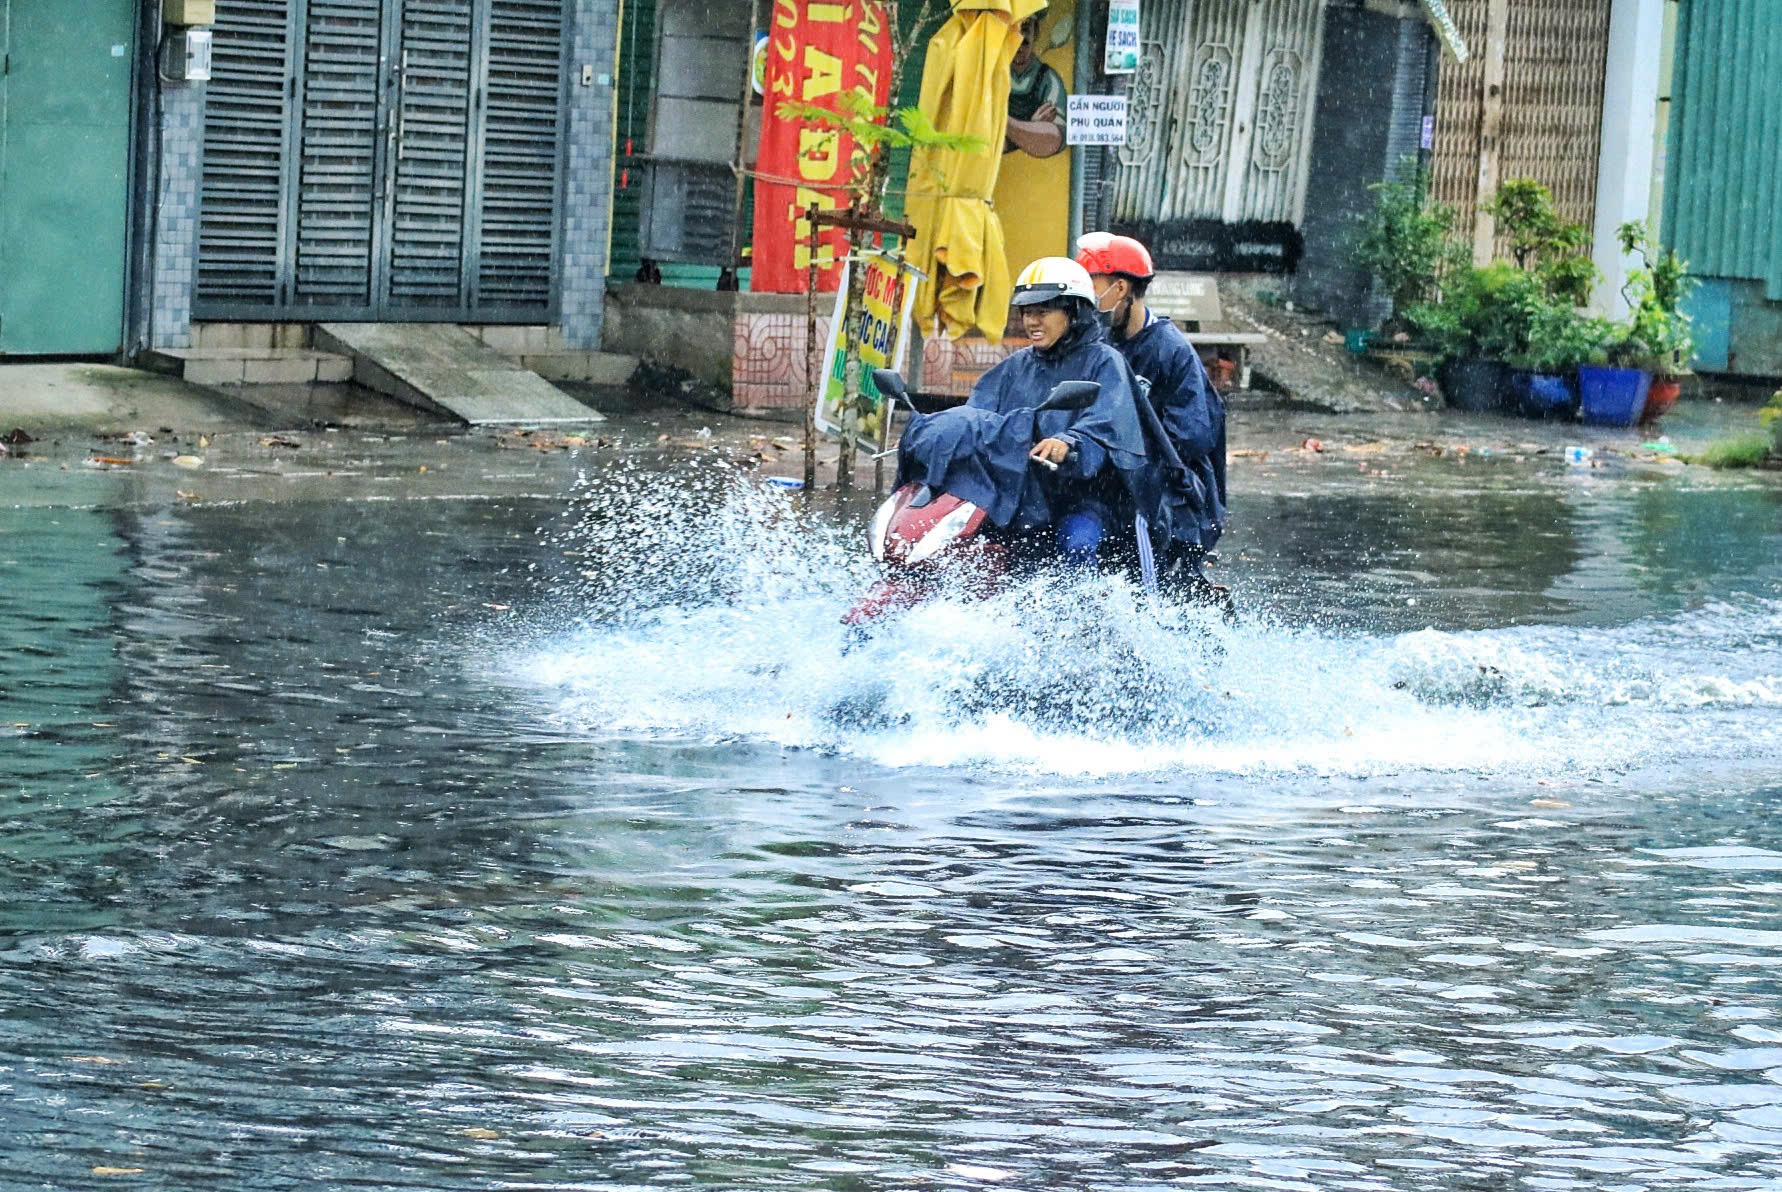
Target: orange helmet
<point>1104,252</point>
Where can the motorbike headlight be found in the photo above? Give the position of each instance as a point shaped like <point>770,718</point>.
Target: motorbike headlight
<point>945,530</point>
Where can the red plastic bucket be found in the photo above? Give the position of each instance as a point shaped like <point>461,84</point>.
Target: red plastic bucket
<point>1661,397</point>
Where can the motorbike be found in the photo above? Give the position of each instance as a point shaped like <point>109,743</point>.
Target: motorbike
<point>927,539</point>
<point>924,537</point>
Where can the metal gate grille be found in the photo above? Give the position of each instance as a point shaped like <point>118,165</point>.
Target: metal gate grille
<point>382,159</point>
<point>1554,58</point>
<point>1279,117</point>
<point>1221,106</point>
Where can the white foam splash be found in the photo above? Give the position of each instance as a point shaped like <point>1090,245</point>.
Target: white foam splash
<point>717,616</point>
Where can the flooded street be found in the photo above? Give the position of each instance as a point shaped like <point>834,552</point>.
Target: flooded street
<point>530,822</point>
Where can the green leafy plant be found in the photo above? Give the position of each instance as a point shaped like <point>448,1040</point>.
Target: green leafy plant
<point>1740,451</point>
<point>875,130</point>
<point>1407,241</point>
<point>1553,250</point>
<point>1523,311</point>
<point>1485,312</point>
<point>1658,336</point>
<point>1771,418</point>
<point>1559,337</point>
<point>1753,450</point>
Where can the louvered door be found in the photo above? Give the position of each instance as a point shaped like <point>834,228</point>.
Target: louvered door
<point>337,180</point>
<point>382,159</point>
<point>428,180</point>
<point>522,129</point>
<point>243,257</point>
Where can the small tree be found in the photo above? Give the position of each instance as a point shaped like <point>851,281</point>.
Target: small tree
<point>1408,241</point>
<point>1659,338</point>
<point>1556,252</point>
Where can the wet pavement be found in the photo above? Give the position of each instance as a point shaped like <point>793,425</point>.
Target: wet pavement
<point>449,810</point>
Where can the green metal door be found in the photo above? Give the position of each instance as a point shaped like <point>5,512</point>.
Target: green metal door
<point>64,174</point>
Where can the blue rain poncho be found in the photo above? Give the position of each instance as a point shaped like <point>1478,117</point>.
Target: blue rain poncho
<point>1192,417</point>
<point>979,451</point>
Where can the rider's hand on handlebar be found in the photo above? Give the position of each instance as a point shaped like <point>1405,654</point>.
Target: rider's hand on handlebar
<point>1053,451</point>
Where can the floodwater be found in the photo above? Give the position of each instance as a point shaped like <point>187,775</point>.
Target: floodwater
<point>532,824</point>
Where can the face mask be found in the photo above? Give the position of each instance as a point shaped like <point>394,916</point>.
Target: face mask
<point>1114,316</point>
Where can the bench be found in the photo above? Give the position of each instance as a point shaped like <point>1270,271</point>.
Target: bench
<point>1191,301</point>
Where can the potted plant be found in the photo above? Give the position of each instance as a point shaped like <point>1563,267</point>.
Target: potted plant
<point>1481,322</point>
<point>1612,387</point>
<point>1659,339</point>
<point>1559,338</point>
<point>1556,252</point>
<point>1519,318</point>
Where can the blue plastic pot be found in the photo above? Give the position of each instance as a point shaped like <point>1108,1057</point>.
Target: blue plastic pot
<point>1612,396</point>
<point>1543,395</point>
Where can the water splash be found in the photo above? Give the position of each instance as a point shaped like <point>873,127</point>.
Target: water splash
<point>709,609</point>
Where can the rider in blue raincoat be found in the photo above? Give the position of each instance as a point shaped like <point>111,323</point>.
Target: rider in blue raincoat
<point>1192,412</point>
<point>1102,467</point>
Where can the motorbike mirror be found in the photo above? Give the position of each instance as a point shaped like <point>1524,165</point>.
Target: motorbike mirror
<point>1071,395</point>
<point>891,386</point>
<point>889,383</point>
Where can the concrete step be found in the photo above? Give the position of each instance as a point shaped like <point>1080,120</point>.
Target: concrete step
<point>250,366</point>
<point>541,349</point>
<point>595,368</point>
<point>444,368</point>
<point>250,335</point>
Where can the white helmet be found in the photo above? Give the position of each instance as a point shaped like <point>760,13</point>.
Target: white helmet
<point>1051,278</point>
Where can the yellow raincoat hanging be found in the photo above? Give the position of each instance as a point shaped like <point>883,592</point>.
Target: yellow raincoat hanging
<point>959,242</point>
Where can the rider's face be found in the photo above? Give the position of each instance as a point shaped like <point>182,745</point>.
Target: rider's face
<point>1043,325</point>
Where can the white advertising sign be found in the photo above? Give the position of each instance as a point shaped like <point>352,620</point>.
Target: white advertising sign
<point>1123,37</point>
<point>1095,120</point>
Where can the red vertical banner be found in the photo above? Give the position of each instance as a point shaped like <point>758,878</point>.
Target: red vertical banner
<point>816,51</point>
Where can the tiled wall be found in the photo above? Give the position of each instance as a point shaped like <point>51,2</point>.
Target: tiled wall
<point>175,219</point>
<point>772,368</point>
<point>954,365</point>
<point>588,171</point>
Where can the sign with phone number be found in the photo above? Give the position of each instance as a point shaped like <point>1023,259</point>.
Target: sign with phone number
<point>1095,120</point>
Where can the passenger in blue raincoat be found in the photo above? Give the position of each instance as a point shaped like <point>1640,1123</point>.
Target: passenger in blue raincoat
<point>1103,472</point>
<point>1191,411</point>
